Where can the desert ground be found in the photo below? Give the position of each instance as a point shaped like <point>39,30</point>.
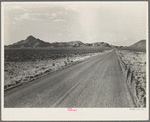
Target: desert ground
<point>20,72</point>
<point>97,81</point>
<point>109,79</point>
<point>135,73</point>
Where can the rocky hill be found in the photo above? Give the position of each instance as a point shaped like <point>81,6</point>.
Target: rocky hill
<point>139,45</point>
<point>30,42</point>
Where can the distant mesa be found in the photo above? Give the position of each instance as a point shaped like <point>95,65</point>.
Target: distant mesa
<point>32,42</point>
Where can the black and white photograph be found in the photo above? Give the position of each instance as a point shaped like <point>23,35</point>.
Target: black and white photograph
<point>70,57</point>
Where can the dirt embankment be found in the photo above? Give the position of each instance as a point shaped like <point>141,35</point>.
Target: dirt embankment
<point>133,66</point>
<point>17,73</point>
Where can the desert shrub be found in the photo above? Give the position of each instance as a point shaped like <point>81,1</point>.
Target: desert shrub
<point>65,63</point>
<point>5,87</point>
<point>47,70</point>
<point>18,82</point>
<point>43,68</point>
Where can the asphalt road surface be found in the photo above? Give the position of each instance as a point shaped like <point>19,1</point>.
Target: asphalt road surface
<point>96,82</point>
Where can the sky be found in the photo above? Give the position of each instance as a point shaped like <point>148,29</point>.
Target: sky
<point>116,23</point>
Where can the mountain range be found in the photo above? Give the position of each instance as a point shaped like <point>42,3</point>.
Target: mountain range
<point>32,42</point>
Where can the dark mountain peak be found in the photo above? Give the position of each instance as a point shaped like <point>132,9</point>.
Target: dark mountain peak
<point>30,42</point>
<point>30,38</point>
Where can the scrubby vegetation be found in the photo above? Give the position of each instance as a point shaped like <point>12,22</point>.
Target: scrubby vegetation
<point>132,49</point>
<point>18,55</point>
<point>135,74</point>
<point>25,65</point>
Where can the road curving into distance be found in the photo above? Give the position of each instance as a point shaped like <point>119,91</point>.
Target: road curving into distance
<point>97,82</point>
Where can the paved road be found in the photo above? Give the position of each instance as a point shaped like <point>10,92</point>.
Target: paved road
<point>96,82</point>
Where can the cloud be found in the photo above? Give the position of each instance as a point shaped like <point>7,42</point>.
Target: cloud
<point>29,16</point>
<point>19,7</point>
<point>24,16</point>
<point>59,20</point>
<point>12,23</point>
<point>38,16</point>
<point>16,18</point>
<point>53,15</point>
